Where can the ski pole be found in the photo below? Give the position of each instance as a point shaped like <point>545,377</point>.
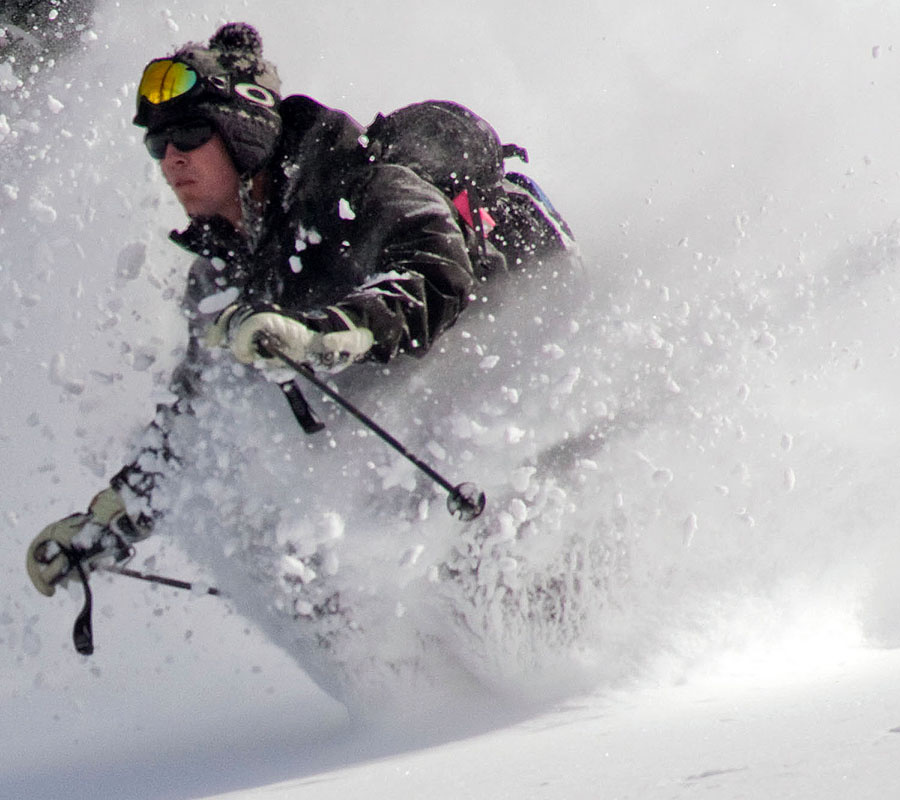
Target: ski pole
<point>83,629</point>
<point>466,499</point>
<point>144,576</point>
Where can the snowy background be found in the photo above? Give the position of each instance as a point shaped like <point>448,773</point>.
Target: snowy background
<point>696,439</point>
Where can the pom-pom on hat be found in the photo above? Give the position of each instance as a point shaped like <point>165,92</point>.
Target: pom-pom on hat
<point>226,82</point>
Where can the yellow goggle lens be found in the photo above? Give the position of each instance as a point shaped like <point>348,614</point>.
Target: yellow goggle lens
<point>165,80</point>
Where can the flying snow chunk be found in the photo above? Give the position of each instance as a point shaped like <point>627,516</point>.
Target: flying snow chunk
<point>467,428</point>
<point>514,435</point>
<point>130,260</point>
<point>42,212</point>
<point>554,351</point>
<point>330,527</point>
<point>344,210</point>
<point>411,557</point>
<point>766,341</point>
<point>518,510</point>
<point>510,395</point>
<point>54,105</point>
<point>567,384</point>
<point>505,528</point>
<point>520,478</point>
<point>688,528</point>
<point>294,567</point>
<point>790,480</point>
<point>303,608</point>
<point>8,80</point>
<point>58,376</point>
<point>215,303</point>
<point>143,358</point>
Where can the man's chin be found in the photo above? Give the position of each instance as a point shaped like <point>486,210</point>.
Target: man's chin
<point>192,208</point>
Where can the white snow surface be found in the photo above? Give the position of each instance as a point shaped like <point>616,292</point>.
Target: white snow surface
<point>684,583</point>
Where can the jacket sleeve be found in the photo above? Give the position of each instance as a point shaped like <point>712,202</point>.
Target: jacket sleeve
<point>406,241</point>
<point>156,457</point>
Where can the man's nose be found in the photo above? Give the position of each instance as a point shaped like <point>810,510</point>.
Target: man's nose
<point>173,153</point>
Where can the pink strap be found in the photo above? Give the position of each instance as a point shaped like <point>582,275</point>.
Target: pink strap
<point>462,204</point>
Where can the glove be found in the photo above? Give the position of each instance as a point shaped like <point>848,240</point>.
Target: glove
<point>245,329</point>
<point>104,531</point>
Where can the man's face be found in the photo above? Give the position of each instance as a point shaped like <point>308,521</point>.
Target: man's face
<point>204,180</point>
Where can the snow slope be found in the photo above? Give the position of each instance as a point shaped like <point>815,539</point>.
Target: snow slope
<point>691,444</point>
<point>834,737</point>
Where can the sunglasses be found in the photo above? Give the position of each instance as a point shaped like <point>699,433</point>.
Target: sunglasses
<point>185,137</point>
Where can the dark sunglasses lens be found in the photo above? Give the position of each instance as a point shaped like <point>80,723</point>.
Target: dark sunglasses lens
<point>192,137</point>
<point>185,139</point>
<point>156,144</point>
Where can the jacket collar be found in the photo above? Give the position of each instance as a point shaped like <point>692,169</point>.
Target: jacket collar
<point>312,135</point>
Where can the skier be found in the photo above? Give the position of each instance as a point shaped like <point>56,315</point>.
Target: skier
<point>300,240</point>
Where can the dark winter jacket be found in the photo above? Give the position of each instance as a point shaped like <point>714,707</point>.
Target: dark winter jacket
<point>340,239</point>
<point>340,242</point>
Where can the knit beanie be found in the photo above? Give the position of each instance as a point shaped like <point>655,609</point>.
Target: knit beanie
<point>235,89</point>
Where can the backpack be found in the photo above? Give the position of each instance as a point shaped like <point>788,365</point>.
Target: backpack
<point>453,148</point>
<point>507,213</point>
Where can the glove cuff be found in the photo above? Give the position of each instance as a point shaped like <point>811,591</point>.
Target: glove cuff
<point>217,332</point>
<point>106,506</point>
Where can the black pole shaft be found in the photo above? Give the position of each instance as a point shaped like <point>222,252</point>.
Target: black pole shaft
<point>303,369</point>
<point>143,576</point>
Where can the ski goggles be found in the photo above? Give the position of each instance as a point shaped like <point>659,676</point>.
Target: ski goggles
<point>185,137</point>
<point>165,79</point>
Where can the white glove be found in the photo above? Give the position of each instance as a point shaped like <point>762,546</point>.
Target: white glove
<point>246,331</point>
<point>105,531</point>
<point>336,350</point>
